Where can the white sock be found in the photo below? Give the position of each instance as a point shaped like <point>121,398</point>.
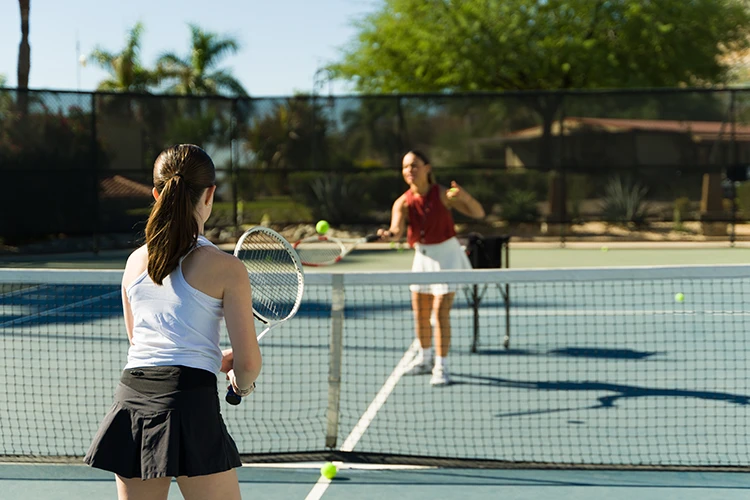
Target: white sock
<point>441,361</point>
<point>425,353</point>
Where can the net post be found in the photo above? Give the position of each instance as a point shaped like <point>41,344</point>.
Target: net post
<point>334,365</point>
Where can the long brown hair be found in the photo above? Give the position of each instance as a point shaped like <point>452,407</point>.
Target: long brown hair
<point>181,175</point>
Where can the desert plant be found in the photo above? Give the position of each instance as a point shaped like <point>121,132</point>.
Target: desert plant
<point>520,206</point>
<point>680,212</point>
<point>337,199</point>
<point>624,202</point>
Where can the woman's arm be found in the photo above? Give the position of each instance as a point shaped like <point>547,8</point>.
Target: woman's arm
<point>399,218</point>
<point>238,315</point>
<point>460,199</point>
<point>136,264</point>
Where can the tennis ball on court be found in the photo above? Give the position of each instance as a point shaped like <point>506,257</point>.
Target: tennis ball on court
<point>392,244</point>
<point>679,297</point>
<point>328,470</point>
<point>605,249</point>
<point>322,227</point>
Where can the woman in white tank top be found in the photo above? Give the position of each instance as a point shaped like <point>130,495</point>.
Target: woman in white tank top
<point>165,420</point>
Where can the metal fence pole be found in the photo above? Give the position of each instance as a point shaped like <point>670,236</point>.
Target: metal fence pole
<point>95,175</point>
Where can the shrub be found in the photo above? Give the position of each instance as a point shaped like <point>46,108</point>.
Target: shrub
<point>520,206</point>
<point>625,202</point>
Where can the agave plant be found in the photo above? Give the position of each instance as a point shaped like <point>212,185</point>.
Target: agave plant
<point>625,201</point>
<point>337,199</point>
<point>520,206</point>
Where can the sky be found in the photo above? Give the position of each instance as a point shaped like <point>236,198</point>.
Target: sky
<point>283,42</point>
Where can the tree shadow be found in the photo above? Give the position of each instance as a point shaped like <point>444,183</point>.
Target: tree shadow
<point>618,391</point>
<point>574,352</point>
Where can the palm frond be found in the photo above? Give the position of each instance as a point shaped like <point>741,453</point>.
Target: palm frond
<point>225,81</point>
<point>102,58</point>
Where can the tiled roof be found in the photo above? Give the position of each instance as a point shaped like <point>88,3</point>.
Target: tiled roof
<point>118,186</point>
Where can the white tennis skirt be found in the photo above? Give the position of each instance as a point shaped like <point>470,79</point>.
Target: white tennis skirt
<point>438,257</point>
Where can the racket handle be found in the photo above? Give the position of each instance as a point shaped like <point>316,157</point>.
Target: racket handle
<point>232,398</point>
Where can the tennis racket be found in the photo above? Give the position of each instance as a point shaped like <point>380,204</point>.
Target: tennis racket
<point>277,279</point>
<point>321,250</point>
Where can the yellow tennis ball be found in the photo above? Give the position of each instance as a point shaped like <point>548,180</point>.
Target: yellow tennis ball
<point>453,191</point>
<point>322,227</point>
<point>679,297</point>
<point>392,244</point>
<point>328,470</point>
<point>605,249</point>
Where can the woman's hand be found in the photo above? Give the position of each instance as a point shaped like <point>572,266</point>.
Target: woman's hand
<point>385,234</point>
<point>455,193</point>
<point>238,390</point>
<point>227,361</point>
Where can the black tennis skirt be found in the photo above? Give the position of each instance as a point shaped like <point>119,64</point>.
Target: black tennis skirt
<point>165,422</point>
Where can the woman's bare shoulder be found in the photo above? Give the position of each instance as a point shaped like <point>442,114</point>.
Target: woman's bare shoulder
<point>214,261</point>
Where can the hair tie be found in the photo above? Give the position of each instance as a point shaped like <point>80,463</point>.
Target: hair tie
<point>178,175</point>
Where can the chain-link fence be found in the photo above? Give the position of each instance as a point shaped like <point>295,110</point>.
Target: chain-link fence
<point>666,164</point>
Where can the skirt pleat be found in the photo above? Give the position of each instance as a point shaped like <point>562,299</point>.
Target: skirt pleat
<point>148,433</point>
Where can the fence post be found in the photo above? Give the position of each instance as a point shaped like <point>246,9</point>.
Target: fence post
<point>233,166</point>
<point>95,175</point>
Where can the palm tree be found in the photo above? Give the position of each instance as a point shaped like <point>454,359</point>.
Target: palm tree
<point>196,74</point>
<point>24,49</point>
<point>24,57</point>
<point>127,74</point>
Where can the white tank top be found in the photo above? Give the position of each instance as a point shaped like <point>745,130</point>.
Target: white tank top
<point>174,324</point>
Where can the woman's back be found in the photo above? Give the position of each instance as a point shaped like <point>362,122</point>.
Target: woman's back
<point>177,322</point>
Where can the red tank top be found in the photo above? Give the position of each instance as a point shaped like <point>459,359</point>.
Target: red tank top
<point>430,221</point>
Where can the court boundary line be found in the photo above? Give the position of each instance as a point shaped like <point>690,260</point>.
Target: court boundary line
<point>316,493</point>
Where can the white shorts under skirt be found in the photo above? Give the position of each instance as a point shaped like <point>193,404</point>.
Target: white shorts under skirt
<point>438,257</point>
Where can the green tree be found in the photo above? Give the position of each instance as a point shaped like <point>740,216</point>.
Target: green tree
<point>197,73</point>
<point>127,73</point>
<point>472,45</point>
<point>448,46</point>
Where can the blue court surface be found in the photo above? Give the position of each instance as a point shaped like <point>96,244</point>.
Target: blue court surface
<point>69,482</point>
<point>600,374</point>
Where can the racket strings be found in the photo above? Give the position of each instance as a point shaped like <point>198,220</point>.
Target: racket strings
<point>319,251</point>
<point>274,276</point>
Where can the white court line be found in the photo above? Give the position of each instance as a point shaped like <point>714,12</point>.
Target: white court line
<point>369,415</point>
<point>49,312</point>
<point>532,311</point>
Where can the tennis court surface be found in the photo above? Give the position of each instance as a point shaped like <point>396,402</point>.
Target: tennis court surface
<point>607,376</point>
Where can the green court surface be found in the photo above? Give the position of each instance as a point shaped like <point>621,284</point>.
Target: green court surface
<point>522,255</point>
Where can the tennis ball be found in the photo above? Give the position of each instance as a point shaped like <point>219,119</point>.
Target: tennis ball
<point>679,297</point>
<point>328,470</point>
<point>392,244</point>
<point>322,227</point>
<point>605,249</point>
<point>453,191</point>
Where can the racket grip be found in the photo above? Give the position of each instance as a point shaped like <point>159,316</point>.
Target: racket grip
<point>232,398</point>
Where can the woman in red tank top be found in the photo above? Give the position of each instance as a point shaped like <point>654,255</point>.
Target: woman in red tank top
<point>423,212</point>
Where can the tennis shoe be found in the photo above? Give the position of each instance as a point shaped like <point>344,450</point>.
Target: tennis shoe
<point>440,376</point>
<point>419,366</point>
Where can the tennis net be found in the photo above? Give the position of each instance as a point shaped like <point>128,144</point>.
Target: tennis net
<point>607,367</point>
